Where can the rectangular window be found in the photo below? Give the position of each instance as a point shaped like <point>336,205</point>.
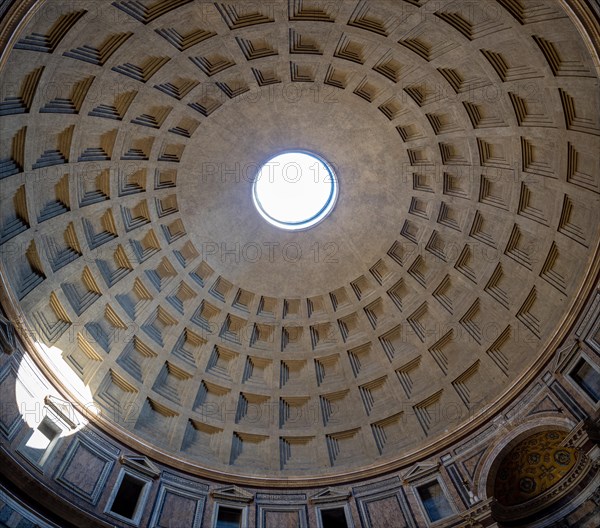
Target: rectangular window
<point>434,501</point>
<point>334,518</point>
<point>588,378</point>
<point>38,445</point>
<point>127,497</point>
<point>229,518</point>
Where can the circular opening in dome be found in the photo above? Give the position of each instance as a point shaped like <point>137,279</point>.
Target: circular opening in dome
<point>295,190</point>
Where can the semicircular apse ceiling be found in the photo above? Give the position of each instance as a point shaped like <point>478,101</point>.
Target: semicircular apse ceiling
<point>465,139</point>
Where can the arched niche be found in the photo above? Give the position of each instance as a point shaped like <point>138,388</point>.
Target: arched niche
<point>531,468</point>
<point>534,474</point>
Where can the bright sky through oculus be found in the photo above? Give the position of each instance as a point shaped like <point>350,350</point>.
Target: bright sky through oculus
<point>295,190</point>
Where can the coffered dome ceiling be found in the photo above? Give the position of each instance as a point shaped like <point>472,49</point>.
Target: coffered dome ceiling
<point>465,136</point>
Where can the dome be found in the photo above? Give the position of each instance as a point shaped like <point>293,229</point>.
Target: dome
<point>448,259</point>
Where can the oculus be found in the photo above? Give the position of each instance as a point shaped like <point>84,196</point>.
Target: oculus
<point>295,190</point>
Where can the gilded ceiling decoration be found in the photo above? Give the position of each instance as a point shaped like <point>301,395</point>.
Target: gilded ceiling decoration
<point>533,467</point>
